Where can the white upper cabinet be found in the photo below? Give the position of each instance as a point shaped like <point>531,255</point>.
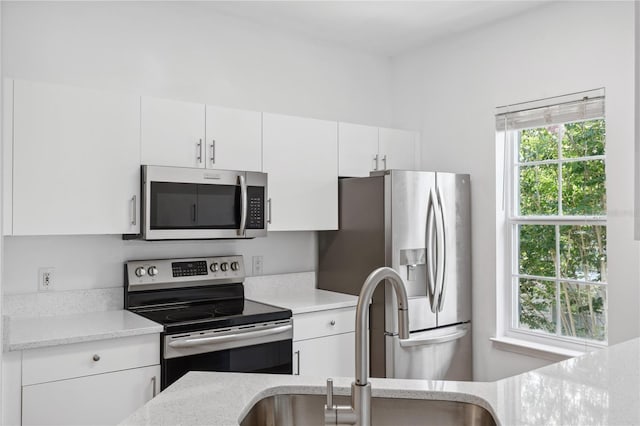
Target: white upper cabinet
<point>357,149</point>
<point>173,133</point>
<point>76,161</point>
<point>398,149</point>
<point>301,157</point>
<point>363,149</point>
<point>184,134</point>
<point>234,139</point>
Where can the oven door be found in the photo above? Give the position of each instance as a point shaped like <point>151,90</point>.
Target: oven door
<point>259,348</point>
<point>183,203</point>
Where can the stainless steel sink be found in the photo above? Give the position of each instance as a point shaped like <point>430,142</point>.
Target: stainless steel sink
<point>308,410</point>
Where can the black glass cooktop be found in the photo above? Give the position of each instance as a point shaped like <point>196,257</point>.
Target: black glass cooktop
<point>212,315</point>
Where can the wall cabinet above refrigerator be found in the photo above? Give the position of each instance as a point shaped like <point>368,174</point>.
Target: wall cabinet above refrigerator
<point>363,149</point>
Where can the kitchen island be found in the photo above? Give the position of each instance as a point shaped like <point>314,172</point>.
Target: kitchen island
<point>598,388</point>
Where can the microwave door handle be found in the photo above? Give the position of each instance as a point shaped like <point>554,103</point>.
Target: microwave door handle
<point>243,205</point>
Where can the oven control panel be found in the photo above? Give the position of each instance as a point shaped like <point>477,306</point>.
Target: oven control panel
<point>189,269</point>
<point>169,273</point>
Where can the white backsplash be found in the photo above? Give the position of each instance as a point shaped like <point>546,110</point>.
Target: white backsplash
<point>108,299</point>
<point>254,286</point>
<point>63,302</point>
<point>85,262</point>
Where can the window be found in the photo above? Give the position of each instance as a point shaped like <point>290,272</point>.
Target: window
<point>555,201</point>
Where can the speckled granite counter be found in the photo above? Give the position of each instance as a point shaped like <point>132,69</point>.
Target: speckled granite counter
<point>296,292</point>
<point>598,388</point>
<point>36,332</point>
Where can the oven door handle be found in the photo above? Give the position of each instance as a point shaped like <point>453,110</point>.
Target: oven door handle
<point>189,343</point>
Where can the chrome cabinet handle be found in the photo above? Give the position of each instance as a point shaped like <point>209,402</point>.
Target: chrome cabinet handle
<point>153,384</point>
<point>375,162</point>
<point>269,211</point>
<point>134,213</point>
<point>96,358</point>
<point>213,151</point>
<point>297,373</point>
<point>384,161</point>
<point>243,205</point>
<point>199,147</point>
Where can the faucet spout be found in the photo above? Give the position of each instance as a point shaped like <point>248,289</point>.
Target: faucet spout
<point>362,317</point>
<point>359,413</point>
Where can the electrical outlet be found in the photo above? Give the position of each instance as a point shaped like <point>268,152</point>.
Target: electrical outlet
<point>45,278</point>
<point>257,265</point>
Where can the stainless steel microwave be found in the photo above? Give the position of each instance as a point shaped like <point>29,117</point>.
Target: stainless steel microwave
<point>188,203</point>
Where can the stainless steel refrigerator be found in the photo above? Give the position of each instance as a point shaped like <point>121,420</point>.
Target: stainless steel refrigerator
<point>417,223</point>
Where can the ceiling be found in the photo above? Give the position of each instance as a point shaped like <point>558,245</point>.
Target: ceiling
<point>381,27</point>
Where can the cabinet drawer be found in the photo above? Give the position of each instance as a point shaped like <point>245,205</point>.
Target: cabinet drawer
<point>323,323</point>
<point>76,360</point>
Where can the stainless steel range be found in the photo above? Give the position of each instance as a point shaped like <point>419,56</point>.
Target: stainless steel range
<point>208,324</point>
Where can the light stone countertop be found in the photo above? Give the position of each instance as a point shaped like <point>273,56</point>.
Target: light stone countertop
<point>296,292</point>
<point>37,332</point>
<point>598,388</point>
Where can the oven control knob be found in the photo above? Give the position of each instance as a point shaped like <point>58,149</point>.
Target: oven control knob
<point>140,272</point>
<point>153,271</point>
<point>214,267</point>
<point>224,266</point>
<point>235,266</point>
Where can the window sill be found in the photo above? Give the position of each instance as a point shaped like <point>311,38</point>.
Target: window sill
<point>536,350</point>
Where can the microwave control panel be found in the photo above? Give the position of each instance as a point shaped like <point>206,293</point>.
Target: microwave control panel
<point>256,201</point>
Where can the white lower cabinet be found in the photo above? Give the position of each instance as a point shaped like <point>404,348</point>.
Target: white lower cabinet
<point>325,356</point>
<point>324,343</point>
<point>94,383</point>
<point>101,399</point>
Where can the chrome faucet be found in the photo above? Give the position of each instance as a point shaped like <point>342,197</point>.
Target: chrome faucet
<point>359,412</point>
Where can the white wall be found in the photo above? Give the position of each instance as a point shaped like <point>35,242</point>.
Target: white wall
<point>97,261</point>
<point>184,50</point>
<point>450,90</point>
<point>180,51</point>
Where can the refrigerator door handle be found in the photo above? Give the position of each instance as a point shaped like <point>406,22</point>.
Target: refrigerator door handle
<point>442,250</point>
<point>431,339</point>
<point>430,248</point>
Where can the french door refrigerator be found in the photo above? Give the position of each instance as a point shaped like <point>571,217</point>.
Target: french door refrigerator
<point>417,223</point>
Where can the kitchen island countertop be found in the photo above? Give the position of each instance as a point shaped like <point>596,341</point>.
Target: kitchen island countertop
<point>598,388</point>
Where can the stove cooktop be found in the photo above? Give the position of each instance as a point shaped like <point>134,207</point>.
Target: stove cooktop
<point>194,294</point>
<point>220,314</point>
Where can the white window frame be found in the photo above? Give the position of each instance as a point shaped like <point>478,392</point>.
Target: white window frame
<point>511,273</point>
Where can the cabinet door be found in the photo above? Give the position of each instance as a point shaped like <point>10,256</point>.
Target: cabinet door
<point>357,150</point>
<point>101,399</point>
<point>301,157</point>
<point>398,149</point>
<point>76,161</point>
<point>172,133</point>
<point>330,356</point>
<point>234,139</point>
